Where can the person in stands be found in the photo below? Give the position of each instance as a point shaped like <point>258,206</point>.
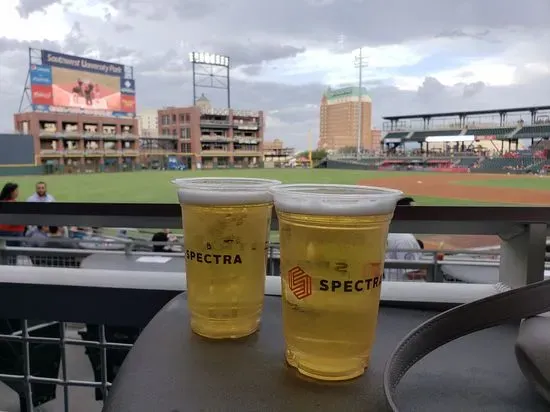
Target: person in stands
<point>57,239</point>
<point>9,193</point>
<point>402,241</point>
<point>41,194</point>
<point>166,237</point>
<point>38,236</point>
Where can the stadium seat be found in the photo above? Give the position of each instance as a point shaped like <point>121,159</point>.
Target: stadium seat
<point>490,131</point>
<point>534,132</point>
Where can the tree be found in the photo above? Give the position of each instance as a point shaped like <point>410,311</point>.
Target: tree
<point>316,155</point>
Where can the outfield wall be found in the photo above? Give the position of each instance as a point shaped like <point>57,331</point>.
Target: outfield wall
<point>21,170</point>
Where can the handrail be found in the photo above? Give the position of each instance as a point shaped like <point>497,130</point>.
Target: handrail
<point>418,219</point>
<point>176,281</point>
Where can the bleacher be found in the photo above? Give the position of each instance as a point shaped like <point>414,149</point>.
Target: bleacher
<point>490,131</point>
<point>467,161</point>
<point>498,164</point>
<point>535,131</point>
<point>396,135</point>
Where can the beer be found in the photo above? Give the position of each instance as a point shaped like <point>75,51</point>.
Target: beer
<point>333,241</point>
<point>226,225</point>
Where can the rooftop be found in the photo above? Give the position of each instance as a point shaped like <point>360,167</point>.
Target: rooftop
<point>346,92</point>
<point>468,113</point>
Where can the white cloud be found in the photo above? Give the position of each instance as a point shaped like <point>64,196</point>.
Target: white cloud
<point>51,25</point>
<point>511,62</point>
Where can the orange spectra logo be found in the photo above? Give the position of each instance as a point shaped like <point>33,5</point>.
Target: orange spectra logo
<point>299,282</point>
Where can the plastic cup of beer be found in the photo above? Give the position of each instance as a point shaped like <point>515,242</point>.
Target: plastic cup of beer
<point>226,227</point>
<point>333,241</point>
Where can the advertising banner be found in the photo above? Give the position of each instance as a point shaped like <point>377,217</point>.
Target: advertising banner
<point>71,84</point>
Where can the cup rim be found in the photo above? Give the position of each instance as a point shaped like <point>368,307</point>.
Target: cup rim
<point>224,183</point>
<point>322,190</point>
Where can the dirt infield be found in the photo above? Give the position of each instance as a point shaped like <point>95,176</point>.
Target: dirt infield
<point>446,186</point>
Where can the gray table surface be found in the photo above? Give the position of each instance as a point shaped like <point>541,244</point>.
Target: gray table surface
<point>105,261</point>
<point>172,370</point>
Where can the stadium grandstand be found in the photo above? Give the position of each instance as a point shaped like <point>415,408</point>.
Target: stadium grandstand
<point>512,140</point>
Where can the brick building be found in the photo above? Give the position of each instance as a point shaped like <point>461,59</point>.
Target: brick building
<point>275,154</point>
<point>339,119</point>
<point>80,143</point>
<point>206,137</point>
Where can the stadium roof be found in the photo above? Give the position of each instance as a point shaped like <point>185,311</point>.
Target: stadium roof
<point>468,113</point>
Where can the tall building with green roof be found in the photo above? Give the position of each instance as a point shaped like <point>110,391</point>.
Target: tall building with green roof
<point>339,119</point>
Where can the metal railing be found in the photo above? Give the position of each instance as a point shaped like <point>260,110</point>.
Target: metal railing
<point>65,319</point>
<point>427,266</point>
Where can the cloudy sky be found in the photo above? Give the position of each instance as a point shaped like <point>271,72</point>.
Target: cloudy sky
<point>424,55</point>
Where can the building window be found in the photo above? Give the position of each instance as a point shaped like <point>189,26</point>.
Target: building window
<point>185,133</point>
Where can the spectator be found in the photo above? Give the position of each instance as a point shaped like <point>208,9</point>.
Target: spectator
<point>41,194</point>
<point>9,193</point>
<point>159,237</point>
<point>400,241</point>
<point>38,237</point>
<point>57,239</point>
<point>165,237</point>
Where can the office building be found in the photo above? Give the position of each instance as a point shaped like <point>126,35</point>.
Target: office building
<point>339,119</point>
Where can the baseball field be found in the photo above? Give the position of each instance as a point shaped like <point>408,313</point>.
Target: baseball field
<point>442,189</point>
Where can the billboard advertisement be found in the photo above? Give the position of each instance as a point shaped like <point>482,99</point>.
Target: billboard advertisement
<point>72,84</point>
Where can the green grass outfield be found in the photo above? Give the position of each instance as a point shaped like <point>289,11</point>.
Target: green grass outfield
<point>542,183</point>
<point>154,186</point>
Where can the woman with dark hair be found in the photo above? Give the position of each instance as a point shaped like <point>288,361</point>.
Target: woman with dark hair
<point>9,193</point>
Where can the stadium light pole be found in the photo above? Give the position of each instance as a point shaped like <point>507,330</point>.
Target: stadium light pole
<point>360,62</point>
<point>211,78</point>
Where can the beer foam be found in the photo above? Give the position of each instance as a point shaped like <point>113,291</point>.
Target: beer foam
<point>341,200</point>
<point>224,191</point>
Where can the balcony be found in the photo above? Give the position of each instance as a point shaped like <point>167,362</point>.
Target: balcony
<point>242,152</point>
<point>48,133</point>
<point>215,123</point>
<point>246,125</point>
<point>129,136</point>
<point>94,152</point>
<point>215,152</point>
<point>112,152</point>
<point>51,153</point>
<point>130,152</point>
<point>73,153</point>
<point>72,134</point>
<point>215,138</point>
<point>92,135</point>
<point>109,306</point>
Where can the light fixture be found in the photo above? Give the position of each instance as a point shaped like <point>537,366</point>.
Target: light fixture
<point>209,58</point>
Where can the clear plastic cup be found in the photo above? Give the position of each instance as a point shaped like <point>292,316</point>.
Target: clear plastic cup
<point>226,226</point>
<point>333,241</point>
